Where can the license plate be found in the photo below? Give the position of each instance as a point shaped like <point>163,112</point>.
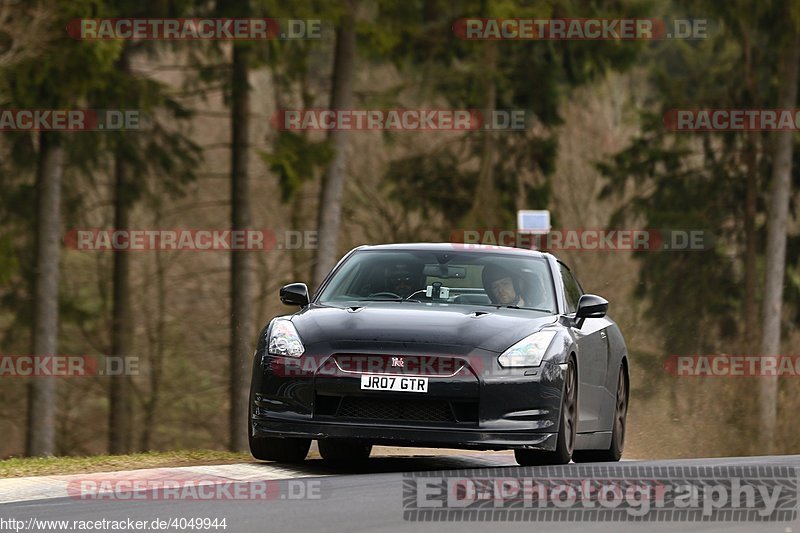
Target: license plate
<point>394,383</point>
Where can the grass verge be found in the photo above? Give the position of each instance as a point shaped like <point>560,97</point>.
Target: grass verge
<point>45,466</point>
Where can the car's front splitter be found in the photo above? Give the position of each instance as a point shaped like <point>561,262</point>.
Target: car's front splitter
<point>398,435</point>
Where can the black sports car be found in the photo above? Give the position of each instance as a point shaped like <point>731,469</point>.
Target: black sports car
<point>442,345</point>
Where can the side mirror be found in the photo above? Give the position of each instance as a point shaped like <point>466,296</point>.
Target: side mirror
<point>591,306</point>
<point>295,294</point>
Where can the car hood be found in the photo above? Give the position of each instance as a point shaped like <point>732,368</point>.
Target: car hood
<point>410,323</point>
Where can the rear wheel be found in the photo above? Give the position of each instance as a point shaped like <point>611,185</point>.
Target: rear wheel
<point>614,452</point>
<point>344,451</point>
<point>565,442</point>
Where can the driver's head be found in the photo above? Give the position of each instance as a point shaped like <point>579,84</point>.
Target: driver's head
<point>500,284</point>
<point>400,280</point>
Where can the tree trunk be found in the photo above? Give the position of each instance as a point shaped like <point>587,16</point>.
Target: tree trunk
<point>157,352</point>
<point>752,144</point>
<point>241,274</point>
<point>42,390</point>
<point>119,416</point>
<point>484,212</point>
<point>330,207</point>
<point>120,408</point>
<point>300,223</point>
<point>776,243</point>
<point>750,251</point>
<point>302,215</point>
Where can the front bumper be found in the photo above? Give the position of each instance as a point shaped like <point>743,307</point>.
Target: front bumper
<point>481,406</point>
<point>395,435</point>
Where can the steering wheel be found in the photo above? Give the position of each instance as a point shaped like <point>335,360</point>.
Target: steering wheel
<point>385,293</point>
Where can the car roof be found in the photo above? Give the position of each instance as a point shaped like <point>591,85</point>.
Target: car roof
<point>454,247</point>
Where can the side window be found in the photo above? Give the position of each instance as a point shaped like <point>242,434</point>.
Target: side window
<point>572,291</point>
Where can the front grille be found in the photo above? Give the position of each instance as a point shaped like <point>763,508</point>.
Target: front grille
<point>417,365</point>
<point>419,410</point>
<point>412,410</point>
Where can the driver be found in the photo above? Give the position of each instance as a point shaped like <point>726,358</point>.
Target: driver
<point>502,286</point>
<point>401,281</point>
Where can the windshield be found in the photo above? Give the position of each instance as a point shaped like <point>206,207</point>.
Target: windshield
<point>490,279</point>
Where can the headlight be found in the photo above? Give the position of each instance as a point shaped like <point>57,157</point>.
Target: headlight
<point>284,340</point>
<point>527,352</point>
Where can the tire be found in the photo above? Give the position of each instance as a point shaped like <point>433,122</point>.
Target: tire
<point>565,441</point>
<point>614,451</point>
<point>344,451</point>
<point>281,450</point>
<point>288,450</point>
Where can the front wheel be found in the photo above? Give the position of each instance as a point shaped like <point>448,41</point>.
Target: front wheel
<point>282,450</point>
<point>565,443</point>
<point>614,452</point>
<point>344,451</point>
<point>289,450</point>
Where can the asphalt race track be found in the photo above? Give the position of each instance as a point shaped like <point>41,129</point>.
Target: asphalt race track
<point>378,496</point>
